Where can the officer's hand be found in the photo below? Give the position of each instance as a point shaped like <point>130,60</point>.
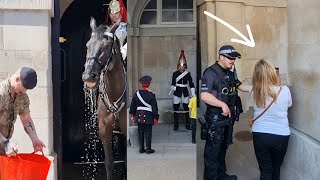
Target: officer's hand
<point>226,110</point>
<point>173,88</point>
<point>11,149</point>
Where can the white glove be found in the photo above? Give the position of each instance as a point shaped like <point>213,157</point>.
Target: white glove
<point>193,92</point>
<point>10,149</point>
<point>124,51</point>
<point>173,88</point>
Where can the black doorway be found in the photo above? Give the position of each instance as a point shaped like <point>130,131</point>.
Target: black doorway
<point>75,28</point>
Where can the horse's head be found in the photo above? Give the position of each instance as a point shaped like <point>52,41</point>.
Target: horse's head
<point>99,52</point>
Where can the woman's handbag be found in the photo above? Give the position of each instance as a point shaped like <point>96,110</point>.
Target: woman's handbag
<point>251,120</point>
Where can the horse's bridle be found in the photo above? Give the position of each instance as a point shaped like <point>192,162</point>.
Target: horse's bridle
<point>113,107</point>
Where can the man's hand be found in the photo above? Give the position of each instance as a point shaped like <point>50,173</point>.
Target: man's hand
<point>226,110</point>
<point>11,149</point>
<point>132,117</point>
<point>37,145</point>
<point>155,121</point>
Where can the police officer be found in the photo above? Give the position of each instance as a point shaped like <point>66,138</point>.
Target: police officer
<point>13,101</point>
<point>181,78</point>
<point>144,112</point>
<point>218,90</point>
<point>117,11</point>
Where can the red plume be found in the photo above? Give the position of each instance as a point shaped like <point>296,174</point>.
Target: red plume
<point>123,12</point>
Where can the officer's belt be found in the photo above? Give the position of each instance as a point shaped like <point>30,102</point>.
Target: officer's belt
<point>181,85</point>
<point>226,122</point>
<point>144,108</point>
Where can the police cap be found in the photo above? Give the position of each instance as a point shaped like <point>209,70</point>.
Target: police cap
<point>229,51</point>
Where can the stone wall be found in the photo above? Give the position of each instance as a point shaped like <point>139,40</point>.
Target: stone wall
<point>302,159</point>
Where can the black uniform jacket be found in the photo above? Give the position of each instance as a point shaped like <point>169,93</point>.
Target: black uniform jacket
<point>144,116</point>
<point>211,81</point>
<point>184,81</point>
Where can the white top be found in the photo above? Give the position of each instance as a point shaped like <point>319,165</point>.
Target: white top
<point>275,119</point>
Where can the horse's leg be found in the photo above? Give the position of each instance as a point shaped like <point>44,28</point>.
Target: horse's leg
<point>105,131</point>
<point>123,128</point>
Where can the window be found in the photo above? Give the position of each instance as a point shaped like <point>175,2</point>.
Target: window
<point>165,12</point>
<point>149,15</point>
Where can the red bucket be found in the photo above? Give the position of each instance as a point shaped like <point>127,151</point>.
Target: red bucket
<point>24,167</point>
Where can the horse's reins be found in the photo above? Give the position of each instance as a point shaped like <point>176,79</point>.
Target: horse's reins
<point>116,106</point>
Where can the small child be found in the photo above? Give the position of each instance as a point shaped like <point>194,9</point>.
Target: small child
<point>193,116</point>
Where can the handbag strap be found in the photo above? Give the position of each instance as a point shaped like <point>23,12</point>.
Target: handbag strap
<point>268,106</point>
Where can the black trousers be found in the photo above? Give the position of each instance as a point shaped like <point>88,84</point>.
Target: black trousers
<point>193,128</point>
<point>270,150</point>
<point>145,131</point>
<point>214,160</point>
<point>186,115</point>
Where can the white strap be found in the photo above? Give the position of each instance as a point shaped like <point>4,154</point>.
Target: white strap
<point>181,85</point>
<point>181,75</point>
<point>141,99</point>
<point>144,108</point>
<point>108,34</point>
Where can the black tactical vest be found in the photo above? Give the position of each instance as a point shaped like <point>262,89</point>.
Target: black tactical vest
<point>226,86</point>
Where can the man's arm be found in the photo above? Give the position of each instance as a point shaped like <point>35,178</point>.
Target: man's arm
<point>211,99</point>
<point>28,125</point>
<point>245,88</point>
<point>2,138</point>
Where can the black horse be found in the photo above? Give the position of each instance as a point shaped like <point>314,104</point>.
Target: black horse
<point>105,67</point>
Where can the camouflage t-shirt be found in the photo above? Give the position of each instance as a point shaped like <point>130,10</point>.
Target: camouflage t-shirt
<point>10,107</point>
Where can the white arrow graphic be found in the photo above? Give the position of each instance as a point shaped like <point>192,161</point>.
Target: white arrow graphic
<point>246,41</point>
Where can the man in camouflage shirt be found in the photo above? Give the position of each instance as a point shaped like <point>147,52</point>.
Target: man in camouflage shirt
<point>14,101</point>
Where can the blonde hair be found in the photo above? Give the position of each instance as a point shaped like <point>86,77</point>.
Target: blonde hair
<point>263,79</point>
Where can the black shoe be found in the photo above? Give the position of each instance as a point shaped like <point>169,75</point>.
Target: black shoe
<point>188,127</point>
<point>193,141</point>
<point>142,151</point>
<point>149,151</point>
<point>230,177</point>
<point>175,128</point>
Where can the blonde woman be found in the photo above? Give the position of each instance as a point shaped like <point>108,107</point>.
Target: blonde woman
<point>271,130</point>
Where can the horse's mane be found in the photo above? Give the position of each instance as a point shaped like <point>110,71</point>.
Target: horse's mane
<point>100,31</point>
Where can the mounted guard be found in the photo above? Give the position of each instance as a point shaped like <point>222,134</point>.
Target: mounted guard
<point>116,11</point>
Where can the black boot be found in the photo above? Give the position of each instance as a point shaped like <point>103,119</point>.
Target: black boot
<point>230,177</point>
<point>148,139</point>
<point>186,116</point>
<point>142,151</point>
<point>175,117</point>
<point>193,127</point>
